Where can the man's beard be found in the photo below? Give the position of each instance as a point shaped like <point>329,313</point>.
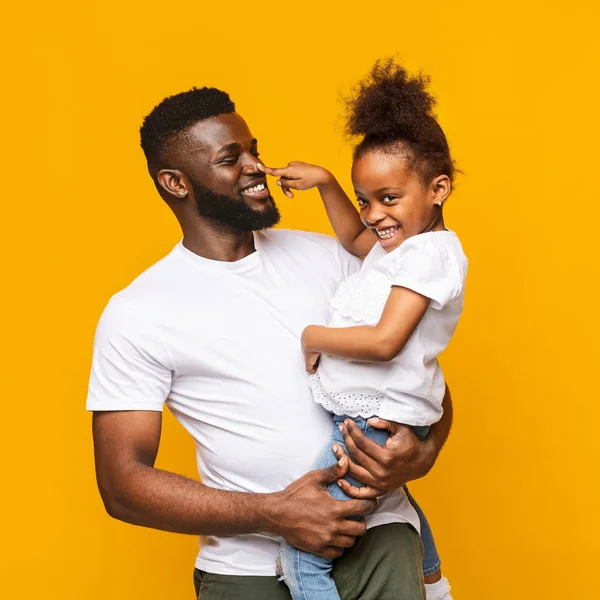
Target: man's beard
<point>233,213</point>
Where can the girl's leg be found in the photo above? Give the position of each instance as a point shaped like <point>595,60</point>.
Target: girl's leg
<point>308,576</point>
<point>436,586</point>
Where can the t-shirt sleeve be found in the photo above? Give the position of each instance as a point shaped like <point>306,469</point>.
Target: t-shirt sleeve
<point>429,269</point>
<point>130,366</point>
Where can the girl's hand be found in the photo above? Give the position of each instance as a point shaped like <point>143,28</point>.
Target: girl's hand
<point>298,176</point>
<point>311,359</point>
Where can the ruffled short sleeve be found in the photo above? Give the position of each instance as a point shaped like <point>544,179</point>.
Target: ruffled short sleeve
<point>429,268</point>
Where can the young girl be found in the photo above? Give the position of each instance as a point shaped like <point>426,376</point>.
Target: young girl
<point>389,321</point>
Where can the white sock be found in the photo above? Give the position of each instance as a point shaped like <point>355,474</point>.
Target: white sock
<point>440,590</point>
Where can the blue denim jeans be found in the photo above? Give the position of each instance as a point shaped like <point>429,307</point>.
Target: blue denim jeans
<point>431,558</point>
<point>308,575</point>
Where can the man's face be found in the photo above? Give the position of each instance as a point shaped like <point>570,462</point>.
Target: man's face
<point>220,160</point>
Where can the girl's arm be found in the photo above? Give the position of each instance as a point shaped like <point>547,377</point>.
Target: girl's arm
<point>343,216</point>
<point>402,313</point>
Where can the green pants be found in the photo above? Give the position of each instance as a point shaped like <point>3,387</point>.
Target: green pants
<point>384,564</point>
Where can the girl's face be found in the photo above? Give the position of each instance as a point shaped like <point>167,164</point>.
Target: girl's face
<point>394,202</point>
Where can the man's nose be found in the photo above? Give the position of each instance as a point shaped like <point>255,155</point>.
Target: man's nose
<point>249,164</point>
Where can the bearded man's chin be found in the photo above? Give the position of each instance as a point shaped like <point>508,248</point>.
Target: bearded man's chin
<point>234,213</point>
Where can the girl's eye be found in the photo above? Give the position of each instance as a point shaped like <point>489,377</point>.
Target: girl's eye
<point>388,198</point>
<point>361,202</point>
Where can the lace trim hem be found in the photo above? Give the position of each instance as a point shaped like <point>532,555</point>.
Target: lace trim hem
<point>346,403</point>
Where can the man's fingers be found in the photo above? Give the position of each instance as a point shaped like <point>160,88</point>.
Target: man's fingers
<point>357,507</point>
<point>391,426</point>
<point>361,474</point>
<point>333,473</point>
<point>353,527</point>
<point>378,423</point>
<point>343,541</point>
<point>354,470</point>
<point>359,493</point>
<point>361,442</point>
<point>353,436</point>
<point>331,552</point>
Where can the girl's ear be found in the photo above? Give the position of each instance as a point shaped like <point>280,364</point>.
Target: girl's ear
<point>441,187</point>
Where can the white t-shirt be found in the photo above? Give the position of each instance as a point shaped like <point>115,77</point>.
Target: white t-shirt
<point>219,342</point>
<point>410,388</point>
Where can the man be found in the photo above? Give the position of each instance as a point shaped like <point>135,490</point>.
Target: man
<point>213,331</point>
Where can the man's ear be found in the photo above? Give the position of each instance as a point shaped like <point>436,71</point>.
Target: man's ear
<point>173,182</point>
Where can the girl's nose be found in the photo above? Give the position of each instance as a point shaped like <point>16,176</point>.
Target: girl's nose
<point>373,218</point>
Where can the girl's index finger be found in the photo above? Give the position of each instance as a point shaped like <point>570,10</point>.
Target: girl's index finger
<point>274,172</point>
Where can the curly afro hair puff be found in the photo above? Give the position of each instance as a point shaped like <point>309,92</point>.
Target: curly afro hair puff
<point>393,112</point>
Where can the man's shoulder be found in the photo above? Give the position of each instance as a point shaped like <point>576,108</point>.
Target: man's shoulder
<point>148,287</point>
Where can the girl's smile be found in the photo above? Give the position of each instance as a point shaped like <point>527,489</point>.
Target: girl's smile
<point>394,202</point>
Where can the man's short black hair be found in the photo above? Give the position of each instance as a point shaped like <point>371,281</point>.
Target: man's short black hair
<point>176,113</point>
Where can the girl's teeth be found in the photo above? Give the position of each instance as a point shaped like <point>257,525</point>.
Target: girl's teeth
<point>386,234</point>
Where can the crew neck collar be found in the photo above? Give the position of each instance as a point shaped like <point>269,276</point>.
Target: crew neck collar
<point>243,264</point>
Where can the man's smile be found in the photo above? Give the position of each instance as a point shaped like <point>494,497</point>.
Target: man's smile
<point>256,190</point>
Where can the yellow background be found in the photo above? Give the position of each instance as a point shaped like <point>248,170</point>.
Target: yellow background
<point>513,499</point>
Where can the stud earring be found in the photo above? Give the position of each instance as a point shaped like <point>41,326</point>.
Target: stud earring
<point>439,203</point>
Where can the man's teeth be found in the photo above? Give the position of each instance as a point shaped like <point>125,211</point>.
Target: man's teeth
<point>387,233</point>
<point>255,188</point>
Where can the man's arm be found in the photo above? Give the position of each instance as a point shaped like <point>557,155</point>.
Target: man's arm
<point>403,458</point>
<point>133,490</point>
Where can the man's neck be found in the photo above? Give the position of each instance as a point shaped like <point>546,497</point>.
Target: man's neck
<point>218,243</point>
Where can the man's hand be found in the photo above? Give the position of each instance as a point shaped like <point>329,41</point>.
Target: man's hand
<point>311,520</point>
<point>298,176</point>
<point>403,458</point>
<point>382,468</point>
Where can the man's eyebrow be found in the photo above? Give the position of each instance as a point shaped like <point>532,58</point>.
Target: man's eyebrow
<point>228,148</point>
<point>235,146</point>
